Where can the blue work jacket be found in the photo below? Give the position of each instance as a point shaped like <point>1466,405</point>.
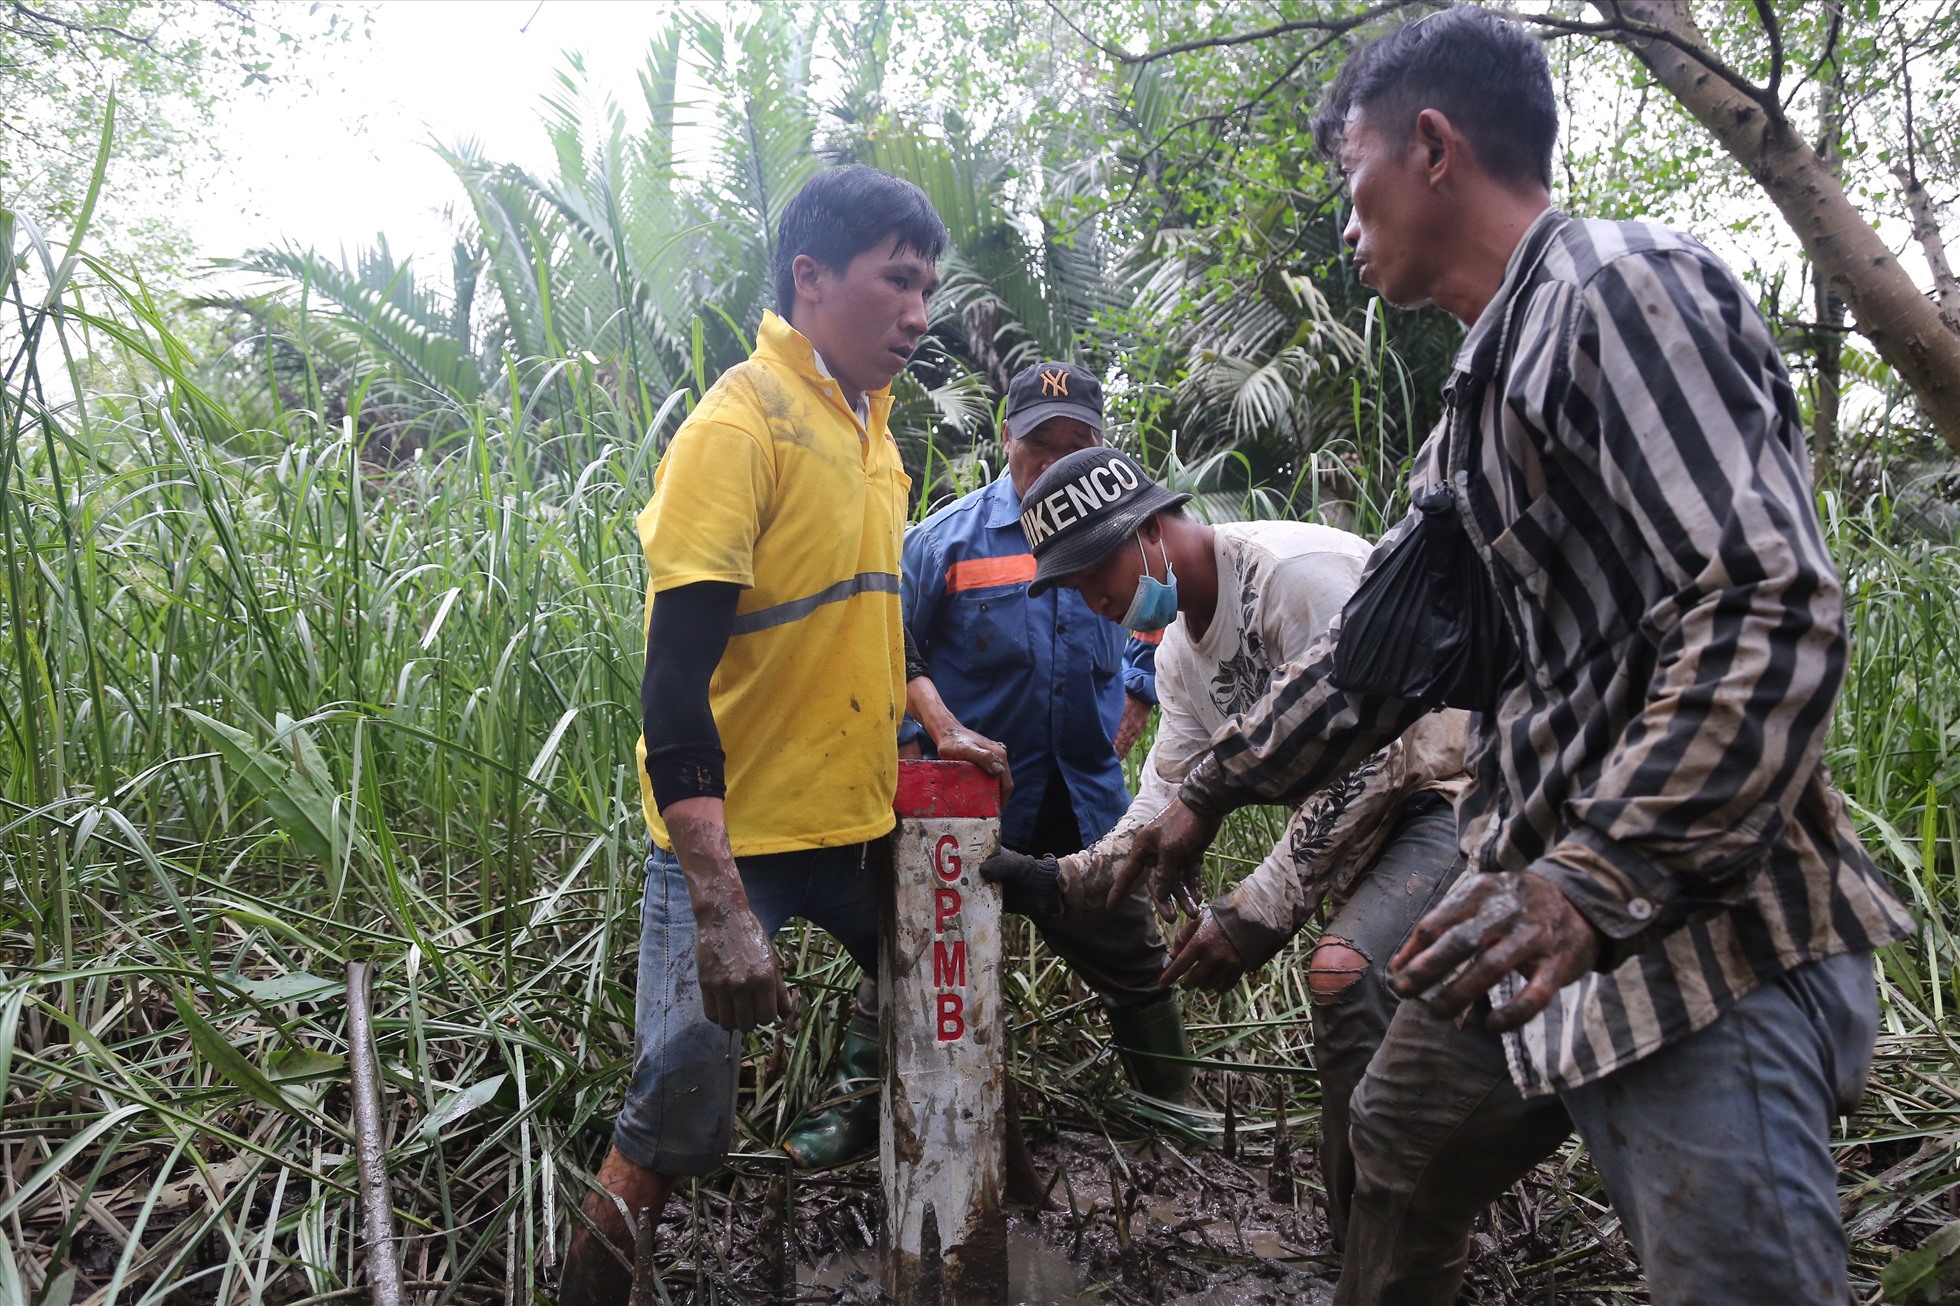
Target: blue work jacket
<point>1044,676</point>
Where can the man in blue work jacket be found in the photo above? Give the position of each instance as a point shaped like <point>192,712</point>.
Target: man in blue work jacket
<point>1045,678</point>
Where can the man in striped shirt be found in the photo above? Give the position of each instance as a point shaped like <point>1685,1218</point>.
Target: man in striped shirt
<point>1664,934</point>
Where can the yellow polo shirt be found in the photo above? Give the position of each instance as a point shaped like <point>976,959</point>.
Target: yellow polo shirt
<point>771,484</point>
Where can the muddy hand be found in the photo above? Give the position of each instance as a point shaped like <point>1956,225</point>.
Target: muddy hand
<point>1486,927</point>
<point>740,985</point>
<point>1136,715</point>
<point>962,745</point>
<point>1203,957</point>
<point>1170,850</point>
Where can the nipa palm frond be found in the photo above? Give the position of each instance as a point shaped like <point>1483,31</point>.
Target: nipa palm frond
<point>414,331</point>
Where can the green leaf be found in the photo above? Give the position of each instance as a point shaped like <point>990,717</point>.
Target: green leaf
<point>265,919</point>
<point>459,1104</point>
<point>11,1287</point>
<point>296,986</point>
<point>296,795</point>
<point>298,1065</point>
<point>6,246</point>
<point>305,1074</point>
<point>61,1291</point>
<point>229,1062</point>
<point>1921,1276</point>
<point>59,281</point>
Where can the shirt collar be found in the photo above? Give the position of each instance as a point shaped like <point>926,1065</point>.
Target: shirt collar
<point>863,409</point>
<point>1003,505</point>
<point>1524,259</point>
<point>777,340</point>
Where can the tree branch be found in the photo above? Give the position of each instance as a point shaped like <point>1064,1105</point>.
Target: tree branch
<point>81,29</point>
<point>1627,30</point>
<point>1926,230</point>
<point>1905,82</point>
<point>1766,13</point>
<point>1247,106</point>
<point>1908,332</point>
<point>1830,38</point>
<point>1331,26</point>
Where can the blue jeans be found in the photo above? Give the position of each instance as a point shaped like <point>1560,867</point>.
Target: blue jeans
<point>1714,1150</point>
<point>679,1113</point>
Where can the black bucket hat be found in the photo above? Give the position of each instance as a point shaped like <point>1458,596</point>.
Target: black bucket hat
<point>1082,507</point>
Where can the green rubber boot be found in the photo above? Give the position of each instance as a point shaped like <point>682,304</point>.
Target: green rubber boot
<point>839,1132</point>
<point>1144,1036</point>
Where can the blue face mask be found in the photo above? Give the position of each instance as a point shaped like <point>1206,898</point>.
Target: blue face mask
<point>1154,605</point>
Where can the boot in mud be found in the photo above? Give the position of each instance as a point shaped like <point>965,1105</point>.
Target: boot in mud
<point>1149,1039</point>
<point>844,1131</point>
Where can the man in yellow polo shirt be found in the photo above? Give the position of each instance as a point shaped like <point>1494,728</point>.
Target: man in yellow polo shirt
<point>775,679</point>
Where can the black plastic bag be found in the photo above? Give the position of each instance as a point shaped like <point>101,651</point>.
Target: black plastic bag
<point>1425,626</point>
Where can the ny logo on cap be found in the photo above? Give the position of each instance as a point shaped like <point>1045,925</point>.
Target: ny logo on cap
<point>1054,382</point>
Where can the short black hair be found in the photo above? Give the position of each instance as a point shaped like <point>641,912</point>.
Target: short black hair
<point>840,213</point>
<point>1486,74</point>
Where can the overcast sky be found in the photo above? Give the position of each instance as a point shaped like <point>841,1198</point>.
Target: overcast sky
<point>333,165</point>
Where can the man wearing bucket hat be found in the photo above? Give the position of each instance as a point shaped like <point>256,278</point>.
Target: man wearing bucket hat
<point>1239,601</point>
<point>1043,675</point>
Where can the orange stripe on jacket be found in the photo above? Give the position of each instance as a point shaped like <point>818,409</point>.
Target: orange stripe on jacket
<point>1147,636</point>
<point>981,573</point>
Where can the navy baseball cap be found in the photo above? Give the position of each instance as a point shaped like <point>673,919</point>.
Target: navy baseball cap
<point>1048,390</point>
<point>1083,506</point>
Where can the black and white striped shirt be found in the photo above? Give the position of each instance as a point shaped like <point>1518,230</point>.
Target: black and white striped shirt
<point>1630,467</point>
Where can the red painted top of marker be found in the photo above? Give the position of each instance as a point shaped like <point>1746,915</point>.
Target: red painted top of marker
<point>945,789</point>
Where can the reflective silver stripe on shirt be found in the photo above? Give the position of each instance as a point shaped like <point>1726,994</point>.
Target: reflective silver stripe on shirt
<point>781,614</point>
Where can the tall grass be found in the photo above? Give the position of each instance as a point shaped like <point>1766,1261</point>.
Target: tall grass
<point>264,708</point>
<point>267,705</point>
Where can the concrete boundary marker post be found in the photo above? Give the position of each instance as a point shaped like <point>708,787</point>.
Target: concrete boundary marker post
<point>942,1135</point>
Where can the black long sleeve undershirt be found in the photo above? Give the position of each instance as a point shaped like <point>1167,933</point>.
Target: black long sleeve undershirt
<point>685,640</point>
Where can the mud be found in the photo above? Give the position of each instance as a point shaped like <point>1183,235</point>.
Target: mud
<point>1156,1222</point>
<point>1041,1272</point>
<point>1145,1222</point>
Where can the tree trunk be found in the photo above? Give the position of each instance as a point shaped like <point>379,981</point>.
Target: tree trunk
<point>1926,230</point>
<point>1903,326</point>
<point>1827,340</point>
<point>1827,332</point>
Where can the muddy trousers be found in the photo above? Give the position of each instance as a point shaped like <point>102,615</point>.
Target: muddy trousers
<point>1413,870</point>
<point>679,1114</point>
<point>1714,1150</point>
